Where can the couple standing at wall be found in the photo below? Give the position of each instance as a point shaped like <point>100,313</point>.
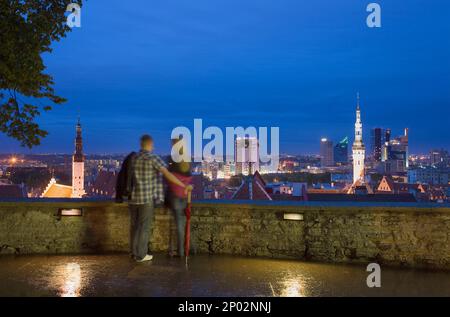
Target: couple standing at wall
<point>140,182</point>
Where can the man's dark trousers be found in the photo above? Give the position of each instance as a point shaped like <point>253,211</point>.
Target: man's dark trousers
<point>141,220</point>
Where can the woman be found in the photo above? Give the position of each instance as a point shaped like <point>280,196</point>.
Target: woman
<point>177,196</point>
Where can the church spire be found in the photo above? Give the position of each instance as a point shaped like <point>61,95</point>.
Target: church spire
<point>78,154</point>
<point>357,101</point>
<point>358,123</point>
<point>358,148</point>
<point>78,165</point>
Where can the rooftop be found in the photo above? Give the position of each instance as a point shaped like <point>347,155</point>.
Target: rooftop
<point>12,191</point>
<point>117,275</point>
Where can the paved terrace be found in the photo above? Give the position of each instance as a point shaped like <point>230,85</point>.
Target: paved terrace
<point>116,275</point>
<point>239,249</point>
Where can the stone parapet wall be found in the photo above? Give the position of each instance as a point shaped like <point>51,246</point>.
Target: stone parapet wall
<point>404,235</point>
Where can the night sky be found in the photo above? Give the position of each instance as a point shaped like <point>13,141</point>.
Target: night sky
<point>148,66</point>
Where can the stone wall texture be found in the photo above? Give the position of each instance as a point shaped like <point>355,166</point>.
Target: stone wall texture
<point>400,236</point>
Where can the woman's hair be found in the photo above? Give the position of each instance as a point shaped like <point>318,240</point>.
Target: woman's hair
<point>180,167</point>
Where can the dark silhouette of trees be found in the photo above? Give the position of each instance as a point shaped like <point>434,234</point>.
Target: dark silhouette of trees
<point>27,30</point>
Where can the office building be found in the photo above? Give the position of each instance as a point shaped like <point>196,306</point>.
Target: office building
<point>246,155</point>
<point>341,152</point>
<point>326,152</point>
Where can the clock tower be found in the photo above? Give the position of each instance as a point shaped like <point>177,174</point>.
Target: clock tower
<point>358,148</point>
<point>78,165</point>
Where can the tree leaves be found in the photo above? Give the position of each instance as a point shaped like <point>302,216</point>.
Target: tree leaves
<point>27,29</point>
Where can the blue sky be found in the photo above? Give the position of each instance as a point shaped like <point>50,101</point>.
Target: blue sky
<point>148,66</point>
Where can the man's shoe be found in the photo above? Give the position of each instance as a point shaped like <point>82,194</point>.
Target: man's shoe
<point>148,257</point>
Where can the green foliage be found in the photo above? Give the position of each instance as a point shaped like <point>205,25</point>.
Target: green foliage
<point>27,29</point>
<point>31,177</point>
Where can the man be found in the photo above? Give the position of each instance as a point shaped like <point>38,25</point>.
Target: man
<point>146,187</point>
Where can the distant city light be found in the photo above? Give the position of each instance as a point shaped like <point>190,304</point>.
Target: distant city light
<point>13,160</point>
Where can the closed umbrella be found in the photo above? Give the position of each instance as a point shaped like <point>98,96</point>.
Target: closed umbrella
<point>187,232</point>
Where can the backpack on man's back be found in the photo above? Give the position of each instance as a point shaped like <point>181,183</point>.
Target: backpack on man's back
<point>124,183</point>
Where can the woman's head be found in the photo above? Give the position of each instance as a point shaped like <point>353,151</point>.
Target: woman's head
<point>183,163</point>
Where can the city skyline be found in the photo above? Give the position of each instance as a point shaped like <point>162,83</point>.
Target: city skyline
<point>296,66</point>
<point>334,142</point>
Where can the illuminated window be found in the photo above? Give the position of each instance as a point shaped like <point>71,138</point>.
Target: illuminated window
<point>293,216</point>
<point>70,212</point>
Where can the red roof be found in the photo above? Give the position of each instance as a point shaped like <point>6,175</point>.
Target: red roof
<point>258,177</point>
<point>362,198</point>
<point>55,190</point>
<point>104,185</point>
<point>387,184</point>
<point>252,188</point>
<point>197,182</point>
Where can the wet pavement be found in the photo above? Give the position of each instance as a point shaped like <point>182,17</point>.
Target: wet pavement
<point>117,275</point>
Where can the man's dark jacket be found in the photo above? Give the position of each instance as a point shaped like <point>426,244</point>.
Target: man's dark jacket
<point>124,184</point>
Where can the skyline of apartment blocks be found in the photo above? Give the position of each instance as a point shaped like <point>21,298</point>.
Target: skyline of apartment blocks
<point>326,153</point>
<point>217,170</point>
<point>429,175</point>
<point>100,173</point>
<point>390,154</point>
<point>439,157</point>
<point>246,155</point>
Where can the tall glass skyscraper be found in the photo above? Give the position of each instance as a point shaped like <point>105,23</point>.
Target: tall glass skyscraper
<point>326,153</point>
<point>341,152</point>
<point>377,142</point>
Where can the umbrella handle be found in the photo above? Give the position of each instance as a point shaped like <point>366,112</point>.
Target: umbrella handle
<point>189,199</point>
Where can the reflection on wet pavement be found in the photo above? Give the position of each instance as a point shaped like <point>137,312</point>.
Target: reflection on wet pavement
<point>71,281</point>
<point>117,275</point>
